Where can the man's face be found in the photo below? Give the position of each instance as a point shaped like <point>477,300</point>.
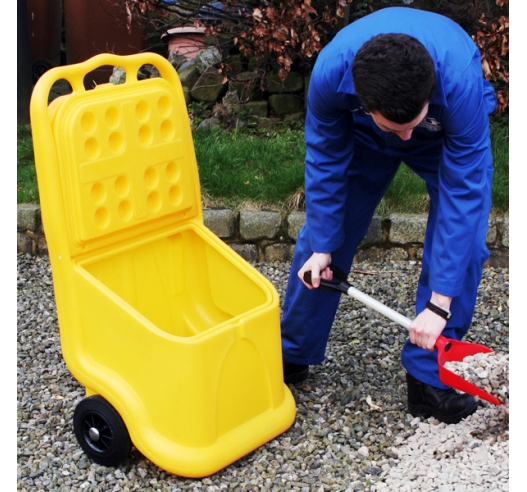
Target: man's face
<point>404,131</point>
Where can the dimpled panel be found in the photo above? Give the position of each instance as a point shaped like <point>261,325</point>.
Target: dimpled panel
<point>126,162</point>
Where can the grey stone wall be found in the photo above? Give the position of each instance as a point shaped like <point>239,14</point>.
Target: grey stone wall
<point>270,236</point>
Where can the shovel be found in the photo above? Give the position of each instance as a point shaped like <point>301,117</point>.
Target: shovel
<point>449,350</point>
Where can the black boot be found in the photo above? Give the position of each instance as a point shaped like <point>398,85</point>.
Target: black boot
<point>295,373</point>
<point>447,406</point>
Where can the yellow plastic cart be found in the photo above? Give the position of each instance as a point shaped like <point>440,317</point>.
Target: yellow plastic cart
<point>174,336</point>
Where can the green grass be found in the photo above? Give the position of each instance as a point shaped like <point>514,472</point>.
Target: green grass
<point>26,189</point>
<point>407,193</point>
<point>500,185</point>
<point>241,169</point>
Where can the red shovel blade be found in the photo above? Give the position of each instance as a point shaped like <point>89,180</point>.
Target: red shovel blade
<point>455,351</point>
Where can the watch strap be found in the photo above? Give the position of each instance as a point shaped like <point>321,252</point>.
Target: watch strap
<point>446,315</point>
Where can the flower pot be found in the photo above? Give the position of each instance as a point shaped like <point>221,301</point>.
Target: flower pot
<point>185,41</point>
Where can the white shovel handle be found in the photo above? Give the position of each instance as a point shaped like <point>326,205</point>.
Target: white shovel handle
<point>379,307</point>
<point>339,283</point>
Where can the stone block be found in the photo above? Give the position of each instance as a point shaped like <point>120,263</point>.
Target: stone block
<point>247,86</point>
<point>505,232</point>
<point>249,252</point>
<point>255,108</point>
<point>209,87</point>
<point>188,75</point>
<point>178,61</point>
<point>497,259</point>
<point>492,232</point>
<point>374,233</point>
<point>220,221</point>
<point>267,123</point>
<point>234,63</point>
<point>186,95</point>
<point>285,104</point>
<point>295,222</point>
<point>210,123</point>
<point>259,224</point>
<point>294,83</point>
<point>28,217</point>
<point>406,229</point>
<point>375,254</point>
<point>279,252</point>
<point>42,247</point>
<point>416,253</point>
<point>118,76</point>
<point>208,58</point>
<point>295,117</point>
<point>23,243</point>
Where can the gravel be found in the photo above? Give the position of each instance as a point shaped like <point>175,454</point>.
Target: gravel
<point>487,371</point>
<point>351,431</point>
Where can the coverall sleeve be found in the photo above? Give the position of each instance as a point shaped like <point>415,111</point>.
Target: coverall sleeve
<point>329,139</point>
<point>465,181</point>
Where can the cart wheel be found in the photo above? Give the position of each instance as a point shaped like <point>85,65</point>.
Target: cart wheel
<point>39,67</point>
<point>101,431</point>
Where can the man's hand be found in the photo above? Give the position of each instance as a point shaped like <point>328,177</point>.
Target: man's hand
<point>318,266</point>
<point>426,328</point>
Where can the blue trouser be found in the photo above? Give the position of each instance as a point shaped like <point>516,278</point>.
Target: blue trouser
<point>308,314</point>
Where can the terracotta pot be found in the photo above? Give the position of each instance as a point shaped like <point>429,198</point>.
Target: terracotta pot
<point>186,41</point>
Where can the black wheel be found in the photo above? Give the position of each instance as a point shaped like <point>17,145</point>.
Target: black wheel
<point>101,432</point>
<point>39,67</point>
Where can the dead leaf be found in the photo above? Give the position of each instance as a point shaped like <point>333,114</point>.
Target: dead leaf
<point>372,405</point>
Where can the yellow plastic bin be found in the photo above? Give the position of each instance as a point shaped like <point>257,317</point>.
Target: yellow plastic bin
<point>174,336</point>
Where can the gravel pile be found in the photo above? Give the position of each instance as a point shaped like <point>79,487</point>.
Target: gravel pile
<point>351,432</point>
<point>488,371</point>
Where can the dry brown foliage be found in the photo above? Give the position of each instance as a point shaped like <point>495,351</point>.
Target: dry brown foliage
<point>492,39</point>
<point>282,33</point>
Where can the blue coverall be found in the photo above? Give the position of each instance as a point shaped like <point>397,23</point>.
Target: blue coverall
<point>350,163</point>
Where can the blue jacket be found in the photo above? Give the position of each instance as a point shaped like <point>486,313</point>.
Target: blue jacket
<point>457,119</point>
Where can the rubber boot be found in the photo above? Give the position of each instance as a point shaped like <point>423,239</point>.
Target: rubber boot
<point>447,406</point>
<point>295,373</point>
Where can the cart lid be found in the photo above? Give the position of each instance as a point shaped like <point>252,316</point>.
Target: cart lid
<point>124,154</point>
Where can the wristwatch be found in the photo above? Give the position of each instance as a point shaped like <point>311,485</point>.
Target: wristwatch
<point>446,315</point>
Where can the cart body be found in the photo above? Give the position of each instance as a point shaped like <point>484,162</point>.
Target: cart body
<point>157,315</point>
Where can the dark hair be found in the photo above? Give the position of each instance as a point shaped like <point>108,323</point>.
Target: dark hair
<point>394,75</point>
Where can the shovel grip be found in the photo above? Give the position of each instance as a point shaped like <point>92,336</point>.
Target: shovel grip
<point>334,285</point>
